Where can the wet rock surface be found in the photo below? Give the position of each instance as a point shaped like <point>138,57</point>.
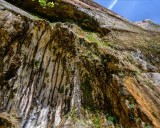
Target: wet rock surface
<point>62,75</point>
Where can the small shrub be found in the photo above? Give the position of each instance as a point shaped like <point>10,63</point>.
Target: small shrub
<point>131,116</point>
<point>36,63</point>
<point>121,74</point>
<point>97,122</point>
<point>137,120</point>
<point>43,3</point>
<point>50,4</point>
<point>131,106</point>
<point>111,119</point>
<point>148,126</point>
<point>61,90</point>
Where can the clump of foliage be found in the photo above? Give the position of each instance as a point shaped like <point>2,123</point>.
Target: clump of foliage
<point>36,63</point>
<point>97,122</point>
<point>87,93</point>
<point>131,106</point>
<point>50,4</point>
<point>44,3</point>
<point>148,126</point>
<point>111,119</point>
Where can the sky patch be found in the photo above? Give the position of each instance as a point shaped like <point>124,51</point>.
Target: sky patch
<point>134,10</point>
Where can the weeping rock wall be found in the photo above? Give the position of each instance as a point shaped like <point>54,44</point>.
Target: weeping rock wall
<point>60,75</point>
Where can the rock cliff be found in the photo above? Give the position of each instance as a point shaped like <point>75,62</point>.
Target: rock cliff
<point>78,65</point>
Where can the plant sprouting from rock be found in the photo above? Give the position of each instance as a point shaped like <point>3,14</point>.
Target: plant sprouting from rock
<point>44,3</point>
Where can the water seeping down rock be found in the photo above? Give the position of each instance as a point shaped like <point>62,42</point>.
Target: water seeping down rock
<point>81,66</point>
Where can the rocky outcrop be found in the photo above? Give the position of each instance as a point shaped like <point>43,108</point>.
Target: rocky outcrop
<point>149,25</point>
<point>86,13</point>
<point>63,74</point>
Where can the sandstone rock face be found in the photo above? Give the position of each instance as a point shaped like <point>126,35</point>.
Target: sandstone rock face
<point>77,74</point>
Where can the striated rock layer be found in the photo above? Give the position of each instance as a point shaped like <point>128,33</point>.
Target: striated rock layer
<point>76,75</point>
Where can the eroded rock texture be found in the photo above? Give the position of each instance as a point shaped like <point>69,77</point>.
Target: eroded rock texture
<point>60,75</point>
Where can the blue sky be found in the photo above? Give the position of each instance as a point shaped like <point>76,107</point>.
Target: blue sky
<point>134,10</point>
